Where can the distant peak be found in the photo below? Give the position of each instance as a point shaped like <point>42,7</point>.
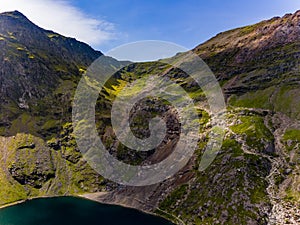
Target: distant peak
<point>15,14</point>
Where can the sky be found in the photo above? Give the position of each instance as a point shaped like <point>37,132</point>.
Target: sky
<point>107,24</point>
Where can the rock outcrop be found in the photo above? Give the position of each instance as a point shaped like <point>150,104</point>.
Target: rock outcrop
<point>255,178</point>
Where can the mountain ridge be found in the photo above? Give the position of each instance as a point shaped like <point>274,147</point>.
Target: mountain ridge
<point>255,177</point>
<point>257,58</point>
<point>34,63</point>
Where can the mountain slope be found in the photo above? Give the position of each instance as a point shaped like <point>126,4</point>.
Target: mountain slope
<point>34,64</point>
<point>259,60</point>
<point>39,72</point>
<point>255,177</point>
<point>258,68</point>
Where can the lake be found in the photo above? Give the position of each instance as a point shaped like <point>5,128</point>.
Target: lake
<point>74,211</point>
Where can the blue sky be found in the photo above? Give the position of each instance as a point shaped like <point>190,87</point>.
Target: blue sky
<point>185,22</point>
<point>107,24</point>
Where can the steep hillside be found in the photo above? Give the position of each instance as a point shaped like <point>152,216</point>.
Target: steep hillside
<point>258,65</point>
<point>255,177</point>
<point>39,71</point>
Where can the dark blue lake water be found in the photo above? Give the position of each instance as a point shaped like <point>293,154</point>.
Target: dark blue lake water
<point>74,211</point>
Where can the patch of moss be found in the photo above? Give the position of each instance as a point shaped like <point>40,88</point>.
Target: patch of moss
<point>257,99</point>
<point>254,130</point>
<point>291,137</point>
<point>292,195</point>
<point>286,101</point>
<point>177,194</point>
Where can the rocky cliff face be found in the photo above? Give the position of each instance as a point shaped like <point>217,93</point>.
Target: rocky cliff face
<point>255,177</point>
<point>39,71</point>
<point>258,65</point>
